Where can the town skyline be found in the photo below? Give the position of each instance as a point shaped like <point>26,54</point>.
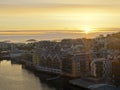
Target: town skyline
<point>59,44</point>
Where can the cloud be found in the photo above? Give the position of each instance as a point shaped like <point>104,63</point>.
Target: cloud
<point>47,3</point>
<point>56,32</point>
<point>21,32</point>
<point>35,32</point>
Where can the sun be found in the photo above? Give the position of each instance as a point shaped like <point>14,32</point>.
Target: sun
<point>87,30</point>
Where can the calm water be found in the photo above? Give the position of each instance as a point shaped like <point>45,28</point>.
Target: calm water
<point>14,77</point>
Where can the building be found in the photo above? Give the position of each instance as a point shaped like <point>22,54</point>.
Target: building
<point>47,57</point>
<point>116,71</point>
<point>63,59</point>
<point>77,65</point>
<point>101,68</point>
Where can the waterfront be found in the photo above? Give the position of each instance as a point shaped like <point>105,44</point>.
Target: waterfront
<point>14,77</point>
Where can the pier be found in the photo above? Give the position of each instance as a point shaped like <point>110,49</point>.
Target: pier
<point>89,85</point>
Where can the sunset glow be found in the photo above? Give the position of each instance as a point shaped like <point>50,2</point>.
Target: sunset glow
<point>87,30</point>
<point>22,17</point>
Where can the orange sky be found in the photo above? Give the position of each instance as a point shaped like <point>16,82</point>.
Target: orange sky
<point>20,15</point>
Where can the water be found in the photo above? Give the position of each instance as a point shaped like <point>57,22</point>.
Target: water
<point>14,77</point>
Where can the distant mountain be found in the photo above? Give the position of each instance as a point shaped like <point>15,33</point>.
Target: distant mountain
<point>114,41</point>
<point>115,35</point>
<point>6,41</point>
<point>31,40</point>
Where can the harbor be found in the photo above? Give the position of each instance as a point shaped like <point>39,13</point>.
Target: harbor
<point>96,67</point>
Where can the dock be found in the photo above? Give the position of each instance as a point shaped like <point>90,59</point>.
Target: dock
<point>81,83</point>
<point>89,85</point>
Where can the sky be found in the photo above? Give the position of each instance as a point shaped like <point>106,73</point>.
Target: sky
<point>56,19</point>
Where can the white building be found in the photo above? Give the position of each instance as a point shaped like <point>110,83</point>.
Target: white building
<point>101,68</point>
